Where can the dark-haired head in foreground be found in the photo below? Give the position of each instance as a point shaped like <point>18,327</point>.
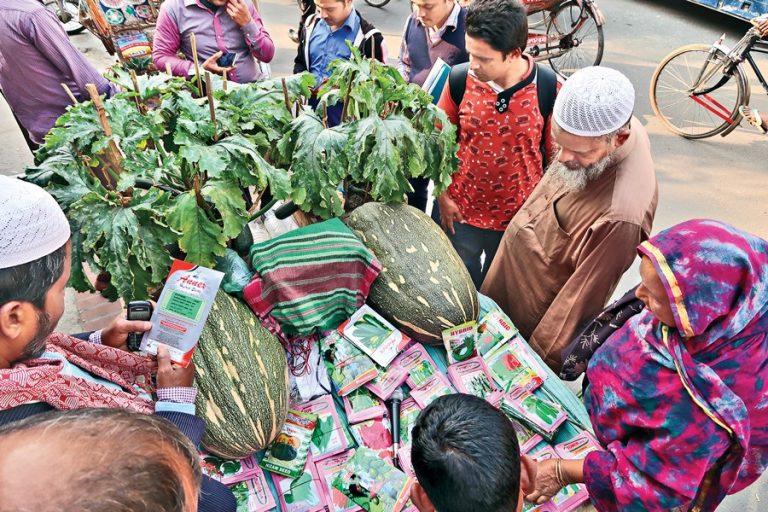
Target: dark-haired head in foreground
<point>97,460</point>
<point>466,458</point>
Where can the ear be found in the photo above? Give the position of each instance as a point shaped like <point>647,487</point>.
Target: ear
<point>622,137</point>
<point>13,317</point>
<point>420,499</point>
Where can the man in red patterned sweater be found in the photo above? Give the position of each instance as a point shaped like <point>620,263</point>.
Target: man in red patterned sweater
<point>501,134</point>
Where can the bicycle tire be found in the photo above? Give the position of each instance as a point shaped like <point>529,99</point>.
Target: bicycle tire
<point>569,10</point>
<point>710,114</point>
<point>377,3</point>
<point>72,27</point>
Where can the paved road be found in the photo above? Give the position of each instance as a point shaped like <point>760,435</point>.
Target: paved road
<point>722,178</point>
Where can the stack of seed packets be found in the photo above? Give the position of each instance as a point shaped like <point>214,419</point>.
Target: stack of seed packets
<point>246,480</point>
<point>473,377</point>
<point>541,415</point>
<point>347,366</point>
<point>374,335</point>
<point>329,437</point>
<point>460,342</point>
<point>373,484</point>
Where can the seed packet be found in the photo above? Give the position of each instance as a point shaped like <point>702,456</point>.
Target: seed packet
<point>348,367</point>
<point>328,438</point>
<point>376,435</point>
<point>182,310</point>
<point>472,376</point>
<point>361,405</point>
<point>525,355</point>
<point>287,455</point>
<point>301,494</point>
<point>253,494</point>
<point>409,413</point>
<point>329,469</point>
<point>578,446</point>
<point>229,471</point>
<point>460,342</point>
<point>404,460</point>
<point>508,371</point>
<point>570,497</point>
<point>495,327</point>
<point>387,382</point>
<point>435,387</point>
<point>417,363</point>
<point>541,415</point>
<point>527,438</point>
<point>373,484</point>
<point>374,335</point>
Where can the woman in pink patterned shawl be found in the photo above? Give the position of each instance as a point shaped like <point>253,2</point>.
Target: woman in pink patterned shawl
<point>678,397</point>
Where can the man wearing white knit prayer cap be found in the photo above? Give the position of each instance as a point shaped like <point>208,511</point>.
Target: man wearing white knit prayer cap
<point>564,252</point>
<point>42,370</point>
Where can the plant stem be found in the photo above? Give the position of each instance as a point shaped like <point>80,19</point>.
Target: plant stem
<point>285,95</point>
<point>347,96</point>
<point>211,104</point>
<point>264,209</point>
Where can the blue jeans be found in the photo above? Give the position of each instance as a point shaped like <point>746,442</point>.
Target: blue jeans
<point>471,243</point>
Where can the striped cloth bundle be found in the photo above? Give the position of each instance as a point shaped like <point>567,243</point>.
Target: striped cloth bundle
<point>310,279</point>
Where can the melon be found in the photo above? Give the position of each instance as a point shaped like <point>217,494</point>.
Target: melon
<point>241,380</point>
<point>424,287</point>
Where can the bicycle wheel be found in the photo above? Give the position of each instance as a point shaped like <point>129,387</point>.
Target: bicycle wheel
<point>69,16</point>
<point>712,107</point>
<point>377,3</point>
<point>580,38</point>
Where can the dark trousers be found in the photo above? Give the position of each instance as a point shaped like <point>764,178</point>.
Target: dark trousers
<point>420,195</point>
<point>471,243</point>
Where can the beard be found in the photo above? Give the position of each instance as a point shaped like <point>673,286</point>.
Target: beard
<point>36,347</point>
<point>575,179</point>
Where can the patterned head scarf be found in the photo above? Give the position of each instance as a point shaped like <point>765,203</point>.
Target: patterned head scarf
<point>716,279</point>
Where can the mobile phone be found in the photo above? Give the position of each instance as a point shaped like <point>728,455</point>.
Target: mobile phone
<point>227,60</point>
<point>137,310</point>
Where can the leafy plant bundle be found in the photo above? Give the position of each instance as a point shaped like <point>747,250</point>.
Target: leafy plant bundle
<point>157,168</point>
<point>390,132</point>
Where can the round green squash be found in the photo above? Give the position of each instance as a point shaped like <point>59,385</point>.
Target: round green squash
<point>241,380</point>
<point>424,287</point>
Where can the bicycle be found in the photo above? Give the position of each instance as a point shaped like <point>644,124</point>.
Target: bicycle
<point>68,12</point>
<point>573,36</point>
<point>697,89</point>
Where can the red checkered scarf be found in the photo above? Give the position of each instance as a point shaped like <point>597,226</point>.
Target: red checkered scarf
<point>41,380</point>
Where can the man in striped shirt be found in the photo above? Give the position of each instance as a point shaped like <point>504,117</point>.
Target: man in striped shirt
<point>36,57</point>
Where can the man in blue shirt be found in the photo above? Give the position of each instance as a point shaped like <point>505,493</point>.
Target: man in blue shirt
<point>323,38</point>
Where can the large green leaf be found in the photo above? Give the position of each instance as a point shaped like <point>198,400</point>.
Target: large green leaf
<point>201,238</point>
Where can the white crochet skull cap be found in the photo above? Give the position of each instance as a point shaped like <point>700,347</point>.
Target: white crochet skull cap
<point>594,101</point>
<point>32,224</point>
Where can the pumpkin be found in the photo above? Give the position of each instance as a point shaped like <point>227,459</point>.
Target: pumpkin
<point>424,287</point>
<point>241,380</point>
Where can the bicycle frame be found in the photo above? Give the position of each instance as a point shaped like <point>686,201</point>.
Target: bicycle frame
<point>740,52</point>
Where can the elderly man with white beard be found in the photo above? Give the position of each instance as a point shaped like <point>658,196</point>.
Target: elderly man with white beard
<point>563,253</point>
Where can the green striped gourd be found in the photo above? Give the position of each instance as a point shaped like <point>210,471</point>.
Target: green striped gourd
<point>242,381</point>
<point>424,286</point>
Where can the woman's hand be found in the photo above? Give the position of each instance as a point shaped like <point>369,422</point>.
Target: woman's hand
<point>547,484</point>
<point>449,213</point>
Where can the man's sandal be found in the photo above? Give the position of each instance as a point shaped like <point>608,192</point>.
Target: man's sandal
<point>752,115</point>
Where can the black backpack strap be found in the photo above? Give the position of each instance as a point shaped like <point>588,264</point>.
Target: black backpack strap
<point>546,90</point>
<point>457,82</point>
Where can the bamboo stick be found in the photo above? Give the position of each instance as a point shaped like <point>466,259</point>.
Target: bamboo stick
<point>211,104</point>
<point>168,69</point>
<point>69,94</point>
<point>193,41</point>
<point>113,155</point>
<point>135,81</point>
<point>224,76</point>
